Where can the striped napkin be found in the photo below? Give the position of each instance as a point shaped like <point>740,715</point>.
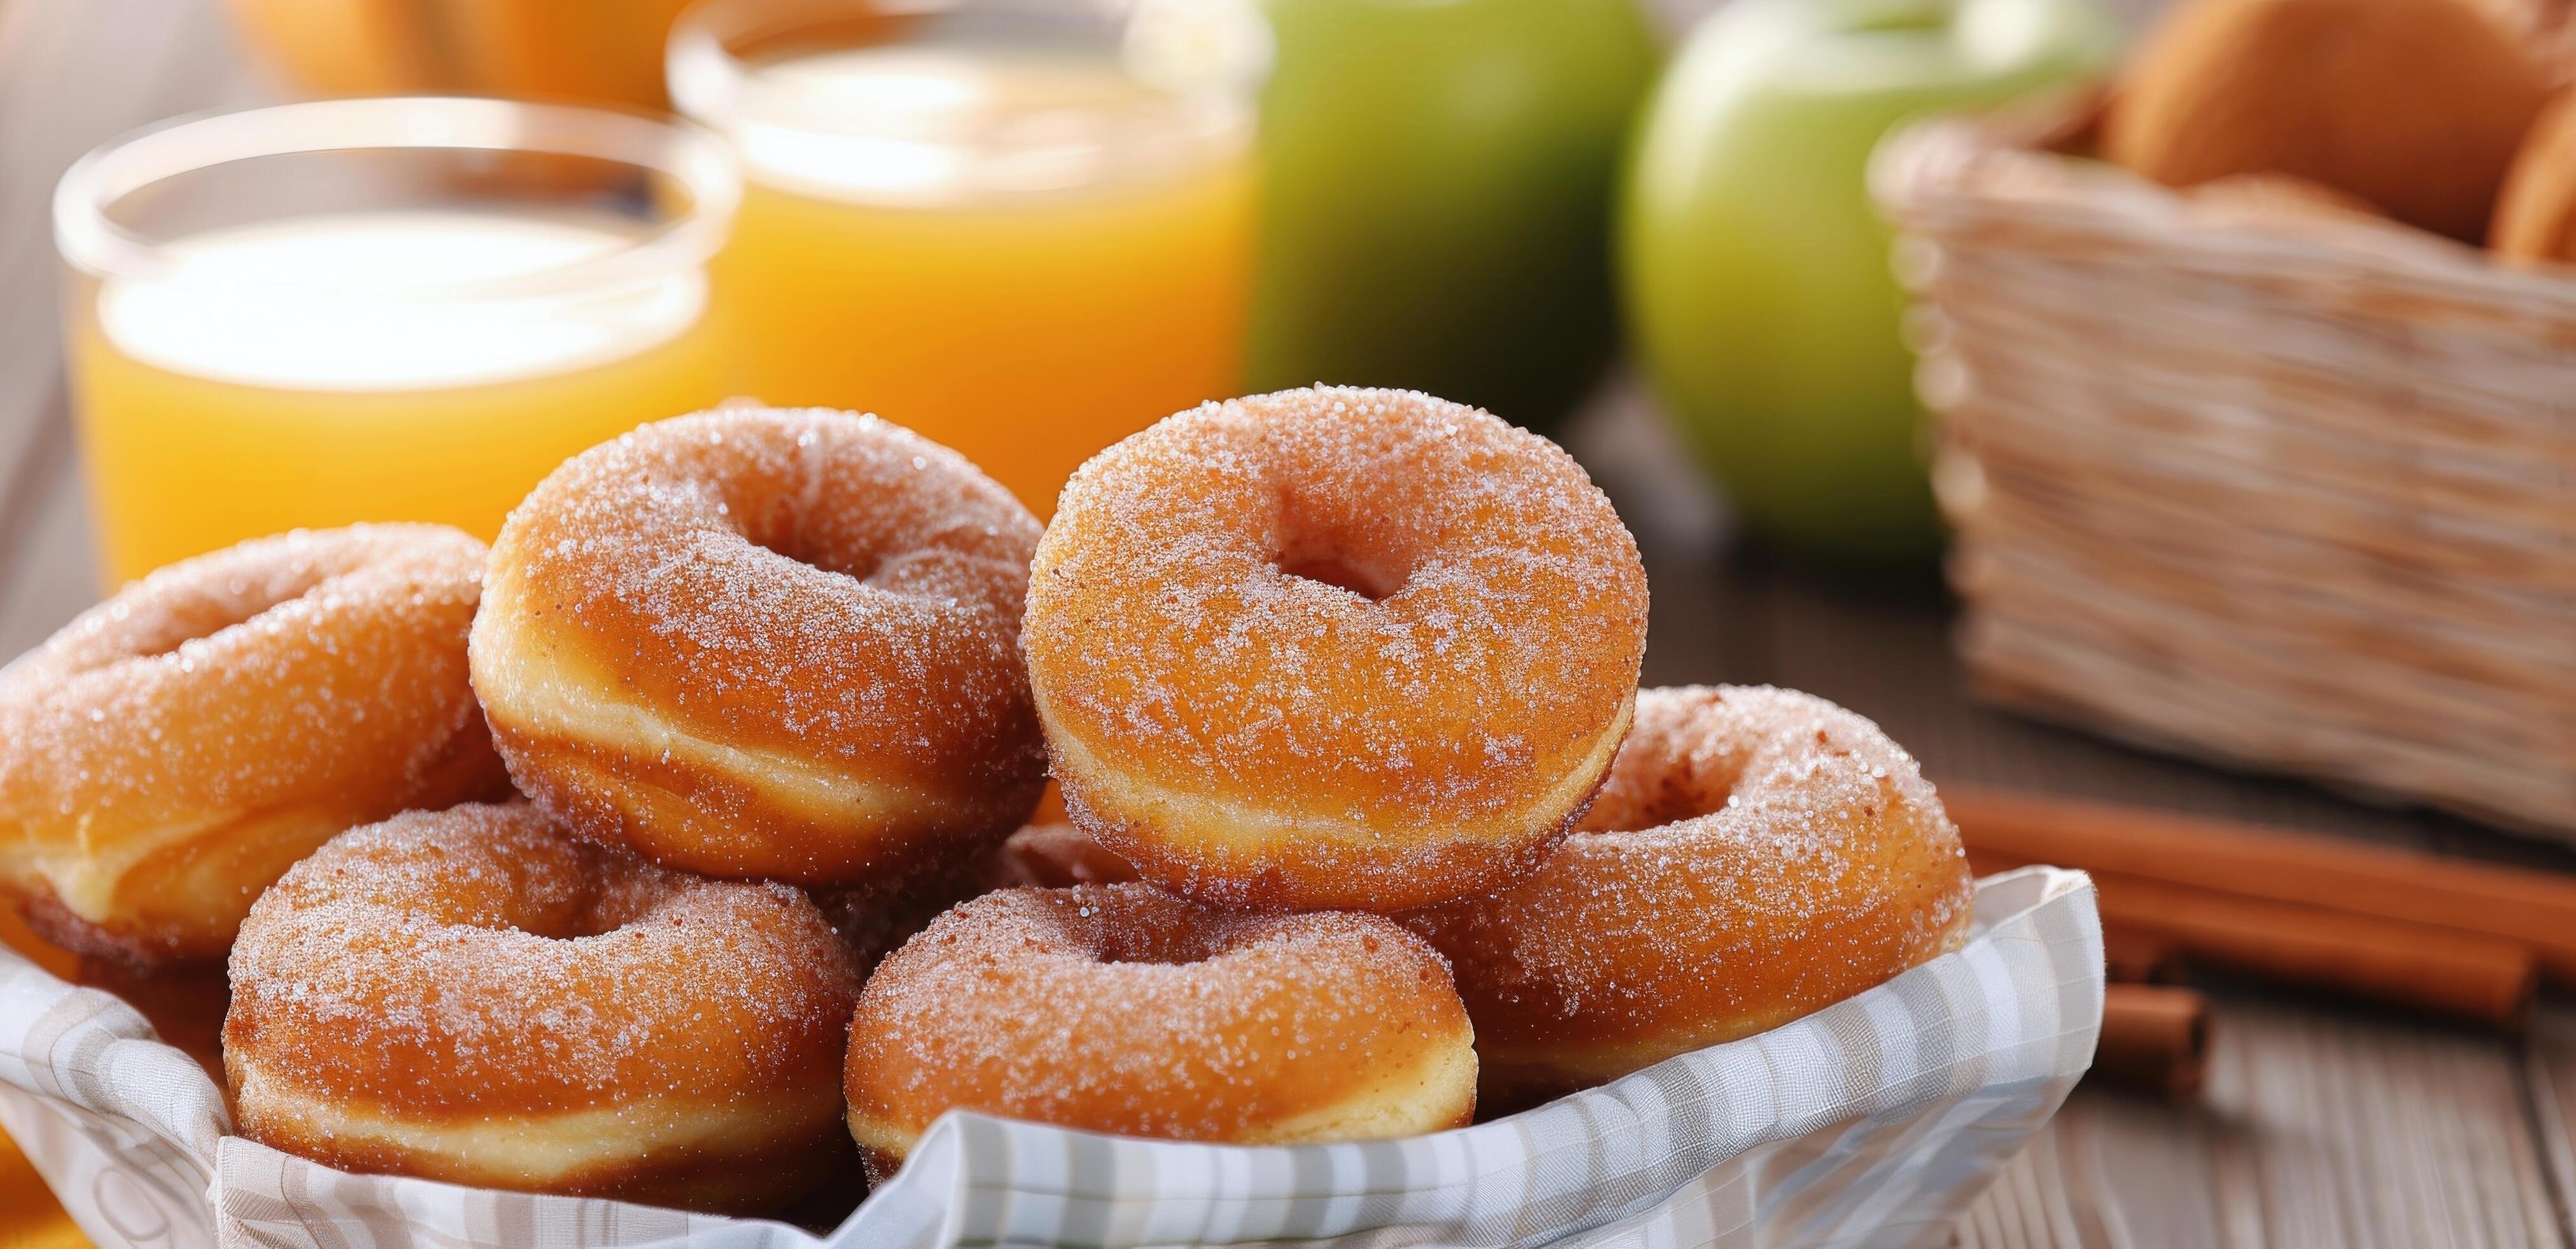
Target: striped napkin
<point>1872,1122</point>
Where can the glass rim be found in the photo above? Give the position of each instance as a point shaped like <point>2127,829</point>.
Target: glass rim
<point>89,239</point>
<point>707,79</point>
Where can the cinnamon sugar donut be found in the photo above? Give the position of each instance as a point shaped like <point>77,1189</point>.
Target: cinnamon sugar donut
<point>171,751</point>
<point>1118,1008</point>
<point>1333,648</point>
<point>758,643</point>
<point>477,997</point>
<point>1756,854</point>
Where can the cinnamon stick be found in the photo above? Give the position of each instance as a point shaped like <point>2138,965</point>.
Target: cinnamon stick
<point>2154,1038</point>
<point>2445,971</point>
<point>2534,908</point>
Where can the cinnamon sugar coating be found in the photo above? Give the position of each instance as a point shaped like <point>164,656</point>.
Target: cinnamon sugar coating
<point>762,643</point>
<point>1118,1008</point>
<point>477,996</point>
<point>1333,648</point>
<point>171,751</point>
<point>1756,854</point>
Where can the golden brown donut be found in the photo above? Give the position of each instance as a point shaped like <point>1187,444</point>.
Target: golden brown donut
<point>1333,648</point>
<point>1118,1008</point>
<point>172,750</point>
<point>478,997</point>
<point>1757,854</point>
<point>758,643</point>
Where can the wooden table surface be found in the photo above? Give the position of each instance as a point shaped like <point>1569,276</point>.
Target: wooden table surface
<point>2324,1124</point>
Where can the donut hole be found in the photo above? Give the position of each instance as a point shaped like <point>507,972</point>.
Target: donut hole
<point>201,618</point>
<point>548,920</point>
<point>1143,943</point>
<point>624,899</point>
<point>1677,800</point>
<point>603,903</point>
<point>787,540</point>
<point>1330,569</point>
<point>1360,568</point>
<point>571,925</point>
<point>1169,936</point>
<point>1674,794</point>
<point>1327,535</point>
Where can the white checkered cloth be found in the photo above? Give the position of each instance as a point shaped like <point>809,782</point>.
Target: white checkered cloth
<point>1872,1122</point>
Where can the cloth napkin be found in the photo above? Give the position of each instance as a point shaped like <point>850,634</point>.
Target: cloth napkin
<point>1871,1122</point>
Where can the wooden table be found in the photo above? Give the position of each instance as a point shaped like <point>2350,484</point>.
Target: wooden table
<point>2324,1124</point>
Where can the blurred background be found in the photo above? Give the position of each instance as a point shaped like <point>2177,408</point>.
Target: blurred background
<point>2159,417</point>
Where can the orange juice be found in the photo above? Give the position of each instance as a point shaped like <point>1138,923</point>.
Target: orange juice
<point>383,309</point>
<point>1025,255</point>
<point>223,399</point>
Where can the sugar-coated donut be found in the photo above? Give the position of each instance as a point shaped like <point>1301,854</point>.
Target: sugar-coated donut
<point>173,750</point>
<point>1333,648</point>
<point>1119,1008</point>
<point>1757,854</point>
<point>478,997</point>
<point>758,643</point>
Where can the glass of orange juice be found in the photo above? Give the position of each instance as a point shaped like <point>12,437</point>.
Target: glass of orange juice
<point>1023,228</point>
<point>384,309</point>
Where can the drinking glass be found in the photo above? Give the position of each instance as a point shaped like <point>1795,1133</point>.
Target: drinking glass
<point>377,310</point>
<point>1023,228</point>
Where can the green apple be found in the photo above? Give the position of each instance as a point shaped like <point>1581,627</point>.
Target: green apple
<point>1754,269</point>
<point>1438,177</point>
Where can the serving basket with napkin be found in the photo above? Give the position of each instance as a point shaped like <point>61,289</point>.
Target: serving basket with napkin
<point>1872,1122</point>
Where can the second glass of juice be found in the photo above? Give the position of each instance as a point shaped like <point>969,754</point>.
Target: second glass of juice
<point>377,310</point>
<point>1023,228</point>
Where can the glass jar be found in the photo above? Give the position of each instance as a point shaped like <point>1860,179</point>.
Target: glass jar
<point>1023,228</point>
<point>376,310</point>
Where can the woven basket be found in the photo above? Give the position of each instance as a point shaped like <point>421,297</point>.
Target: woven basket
<point>2287,489</point>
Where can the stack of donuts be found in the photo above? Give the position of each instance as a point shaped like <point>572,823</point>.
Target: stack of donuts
<point>682,839</point>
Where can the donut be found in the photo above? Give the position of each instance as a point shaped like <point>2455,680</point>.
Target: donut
<point>478,997</point>
<point>1333,649</point>
<point>1756,854</point>
<point>1119,1008</point>
<point>767,644</point>
<point>172,750</point>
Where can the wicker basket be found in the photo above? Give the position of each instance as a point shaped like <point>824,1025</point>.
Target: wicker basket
<point>2289,490</point>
